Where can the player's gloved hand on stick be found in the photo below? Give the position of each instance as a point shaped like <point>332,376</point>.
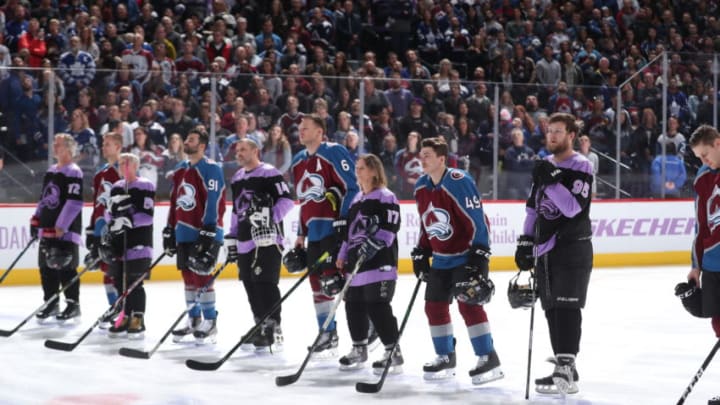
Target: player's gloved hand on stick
<point>169,243</point>
<point>546,173</point>
<point>421,262</point>
<point>369,248</point>
<point>120,225</point>
<point>120,204</point>
<point>34,226</point>
<point>232,251</point>
<point>524,258</point>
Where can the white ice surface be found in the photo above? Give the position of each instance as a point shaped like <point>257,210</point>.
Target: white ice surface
<point>638,347</point>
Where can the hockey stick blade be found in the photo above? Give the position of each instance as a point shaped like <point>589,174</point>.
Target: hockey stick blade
<point>368,388</point>
<point>203,366</point>
<point>66,347</point>
<point>283,380</point>
<point>8,333</point>
<point>134,353</point>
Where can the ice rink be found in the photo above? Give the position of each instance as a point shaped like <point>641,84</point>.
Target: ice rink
<point>638,347</point>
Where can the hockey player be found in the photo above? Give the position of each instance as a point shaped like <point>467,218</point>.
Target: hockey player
<point>705,143</point>
<point>102,183</point>
<point>454,232</point>
<point>196,234</point>
<point>557,236</point>
<point>130,226</point>
<point>325,184</point>
<point>57,222</point>
<point>261,199</point>
<point>374,217</point>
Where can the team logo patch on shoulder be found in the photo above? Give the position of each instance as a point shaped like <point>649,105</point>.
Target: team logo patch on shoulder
<point>456,175</point>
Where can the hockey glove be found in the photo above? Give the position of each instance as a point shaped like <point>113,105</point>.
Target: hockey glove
<point>331,284</point>
<point>369,248</point>
<point>477,261</point>
<point>169,243</point>
<point>295,260</point>
<point>120,204</point>
<point>546,173</point>
<point>206,238</point>
<point>92,260</point>
<point>524,258</point>
<point>203,262</point>
<point>34,226</point>
<point>232,251</point>
<point>91,241</point>
<point>421,262</point>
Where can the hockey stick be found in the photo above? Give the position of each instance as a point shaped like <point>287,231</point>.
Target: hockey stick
<point>203,366</point>
<point>121,318</point>
<point>68,347</point>
<point>7,333</point>
<point>372,388</point>
<point>699,373</point>
<point>140,354</point>
<point>5,274</point>
<point>532,314</point>
<point>284,380</point>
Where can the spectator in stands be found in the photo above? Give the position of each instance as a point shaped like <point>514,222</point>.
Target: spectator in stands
<point>77,70</point>
<point>674,177</point>
<point>151,156</point>
<point>138,58</point>
<point>153,129</point>
<point>585,145</point>
<point>415,121</point>
<point>399,98</point>
<point>277,151</point>
<point>266,113</point>
<point>548,73</point>
<point>408,166</point>
<point>518,162</point>
<point>640,151</point>
<point>671,136</point>
<point>178,122</point>
<point>32,41</point>
<point>348,27</point>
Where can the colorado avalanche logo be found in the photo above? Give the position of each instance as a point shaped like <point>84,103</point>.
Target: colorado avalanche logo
<point>104,197</point>
<point>437,223</point>
<point>549,210</point>
<point>51,196</point>
<point>242,203</point>
<point>186,201</point>
<point>311,187</point>
<point>413,167</point>
<point>713,209</point>
<point>357,232</point>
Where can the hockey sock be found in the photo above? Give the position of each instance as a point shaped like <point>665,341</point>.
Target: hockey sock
<point>50,282</point>
<point>381,315</point>
<point>267,295</point>
<point>357,319</point>
<point>716,325</point>
<point>110,290</point>
<point>441,329</point>
<point>565,326</point>
<point>478,328</point>
<point>207,304</point>
<point>73,291</point>
<point>253,297</point>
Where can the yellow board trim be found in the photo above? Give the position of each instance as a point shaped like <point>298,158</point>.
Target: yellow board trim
<point>505,263</point>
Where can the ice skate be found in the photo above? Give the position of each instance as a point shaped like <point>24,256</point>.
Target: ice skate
<point>487,369</point>
<point>355,359</point>
<point>396,361</point>
<point>49,312</point>
<point>327,346</point>
<point>109,320</point>
<point>136,328</point>
<point>563,374</point>
<point>442,367</point>
<point>265,339</point>
<point>119,330</point>
<point>206,332</point>
<point>546,385</point>
<point>71,311</point>
<point>192,323</point>
<point>714,401</point>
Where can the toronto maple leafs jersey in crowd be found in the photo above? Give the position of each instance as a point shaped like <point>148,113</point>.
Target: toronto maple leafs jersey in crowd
<point>325,184</point>
<point>451,217</point>
<point>262,180</point>
<point>142,199</point>
<point>199,192</point>
<point>562,210</point>
<point>102,184</point>
<point>378,208</point>
<point>706,244</point>
<point>60,205</point>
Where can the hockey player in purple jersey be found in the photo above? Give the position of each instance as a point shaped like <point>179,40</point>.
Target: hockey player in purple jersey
<point>454,232</point>
<point>556,241</point>
<point>261,199</point>
<point>199,205</point>
<point>57,222</point>
<point>325,184</point>
<point>374,220</point>
<point>130,241</point>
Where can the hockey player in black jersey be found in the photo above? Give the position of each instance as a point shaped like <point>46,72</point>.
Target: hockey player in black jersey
<point>261,199</point>
<point>556,241</point>
<point>130,226</point>
<point>374,220</point>
<point>57,222</point>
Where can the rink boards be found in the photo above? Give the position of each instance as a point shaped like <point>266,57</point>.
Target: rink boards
<point>625,233</point>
